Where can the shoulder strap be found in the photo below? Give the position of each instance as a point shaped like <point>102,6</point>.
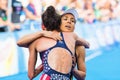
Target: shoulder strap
<point>65,43</point>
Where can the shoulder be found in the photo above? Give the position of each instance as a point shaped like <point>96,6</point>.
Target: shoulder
<point>72,34</point>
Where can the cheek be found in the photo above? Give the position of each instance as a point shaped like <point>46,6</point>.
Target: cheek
<point>61,28</point>
<point>73,28</point>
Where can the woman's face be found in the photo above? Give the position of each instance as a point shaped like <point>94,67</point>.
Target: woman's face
<point>67,23</point>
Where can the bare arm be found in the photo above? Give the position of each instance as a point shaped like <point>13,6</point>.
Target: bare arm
<point>26,40</point>
<point>38,70</point>
<point>32,72</point>
<point>81,41</point>
<point>32,60</point>
<point>80,58</point>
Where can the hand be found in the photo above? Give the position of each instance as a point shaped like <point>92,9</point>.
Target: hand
<point>73,61</point>
<point>87,45</point>
<point>83,43</point>
<point>53,35</point>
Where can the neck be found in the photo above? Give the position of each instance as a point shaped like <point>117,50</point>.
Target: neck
<point>55,31</point>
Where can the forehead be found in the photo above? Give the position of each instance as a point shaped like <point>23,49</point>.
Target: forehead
<point>68,15</point>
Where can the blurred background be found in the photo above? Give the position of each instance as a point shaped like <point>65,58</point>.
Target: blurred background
<point>98,23</point>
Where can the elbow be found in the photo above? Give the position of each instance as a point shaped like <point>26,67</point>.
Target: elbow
<point>83,75</point>
<point>31,76</point>
<point>20,44</point>
<point>80,75</point>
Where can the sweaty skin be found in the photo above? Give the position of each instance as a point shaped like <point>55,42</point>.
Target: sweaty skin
<point>34,47</point>
<point>60,55</point>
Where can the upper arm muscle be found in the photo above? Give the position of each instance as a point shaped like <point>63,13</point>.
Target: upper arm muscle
<point>80,54</point>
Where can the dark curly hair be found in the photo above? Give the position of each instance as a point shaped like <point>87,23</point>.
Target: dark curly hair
<point>51,19</point>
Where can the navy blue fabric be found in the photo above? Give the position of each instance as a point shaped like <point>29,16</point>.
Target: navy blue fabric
<point>47,69</point>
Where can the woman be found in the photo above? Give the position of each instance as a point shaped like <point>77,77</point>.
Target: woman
<point>68,37</point>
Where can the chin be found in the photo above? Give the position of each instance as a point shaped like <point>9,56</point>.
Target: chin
<point>68,31</point>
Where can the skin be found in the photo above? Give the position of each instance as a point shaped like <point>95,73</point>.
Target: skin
<point>80,73</point>
<point>67,25</point>
<point>80,52</point>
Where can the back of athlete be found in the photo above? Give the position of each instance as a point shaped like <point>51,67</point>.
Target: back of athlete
<point>57,56</point>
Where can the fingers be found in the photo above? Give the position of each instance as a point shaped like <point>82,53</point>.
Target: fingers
<point>73,61</point>
<point>59,38</point>
<point>87,45</point>
<point>56,36</point>
<point>53,35</point>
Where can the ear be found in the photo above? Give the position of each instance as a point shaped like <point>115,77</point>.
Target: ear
<point>43,27</point>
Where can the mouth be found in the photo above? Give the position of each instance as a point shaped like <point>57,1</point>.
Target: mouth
<point>68,27</point>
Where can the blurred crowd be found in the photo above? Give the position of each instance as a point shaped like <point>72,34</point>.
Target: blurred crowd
<point>26,14</point>
<point>90,11</point>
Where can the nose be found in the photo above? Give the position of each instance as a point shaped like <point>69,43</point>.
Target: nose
<point>69,21</point>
